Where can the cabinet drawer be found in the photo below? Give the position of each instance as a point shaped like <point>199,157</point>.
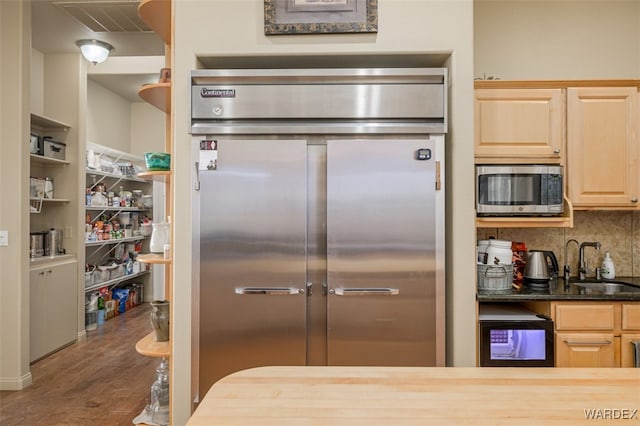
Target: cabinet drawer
<point>585,350</point>
<point>630,317</point>
<point>584,317</point>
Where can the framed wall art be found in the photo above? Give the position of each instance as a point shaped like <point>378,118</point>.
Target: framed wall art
<point>320,16</point>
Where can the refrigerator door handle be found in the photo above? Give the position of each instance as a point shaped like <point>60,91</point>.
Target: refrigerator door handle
<point>365,291</point>
<point>272,291</point>
<point>196,183</point>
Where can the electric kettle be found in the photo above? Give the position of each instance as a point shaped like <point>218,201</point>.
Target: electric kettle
<point>541,266</point>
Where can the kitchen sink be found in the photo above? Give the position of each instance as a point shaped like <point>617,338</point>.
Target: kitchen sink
<point>604,287</point>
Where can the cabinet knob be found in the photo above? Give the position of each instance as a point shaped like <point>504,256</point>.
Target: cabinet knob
<point>556,151</point>
<point>634,200</point>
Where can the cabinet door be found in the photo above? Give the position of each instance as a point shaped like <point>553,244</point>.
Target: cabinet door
<point>630,316</point>
<point>602,131</point>
<point>585,350</point>
<point>61,309</point>
<point>519,125</point>
<point>37,317</point>
<point>627,349</point>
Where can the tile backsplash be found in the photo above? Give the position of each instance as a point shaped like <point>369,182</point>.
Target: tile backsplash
<point>618,232</point>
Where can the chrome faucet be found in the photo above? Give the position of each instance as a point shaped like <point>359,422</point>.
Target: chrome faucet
<point>583,262</point>
<point>567,268</point>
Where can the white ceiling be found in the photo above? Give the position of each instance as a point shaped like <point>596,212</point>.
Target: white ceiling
<point>54,30</point>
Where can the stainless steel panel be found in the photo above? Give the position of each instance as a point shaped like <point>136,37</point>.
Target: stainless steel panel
<point>366,291</point>
<point>341,101</point>
<point>253,238</point>
<point>317,253</point>
<point>381,234</point>
<point>318,127</point>
<point>318,75</point>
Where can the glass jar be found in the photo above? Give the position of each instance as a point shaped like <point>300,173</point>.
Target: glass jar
<point>160,395</point>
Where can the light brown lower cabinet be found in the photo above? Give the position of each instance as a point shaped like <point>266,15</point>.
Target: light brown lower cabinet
<point>595,334</point>
<point>627,356</point>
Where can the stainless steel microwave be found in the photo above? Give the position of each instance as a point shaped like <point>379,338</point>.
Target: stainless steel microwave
<point>523,189</point>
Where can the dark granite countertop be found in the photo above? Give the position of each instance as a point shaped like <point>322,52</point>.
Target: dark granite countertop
<point>557,291</point>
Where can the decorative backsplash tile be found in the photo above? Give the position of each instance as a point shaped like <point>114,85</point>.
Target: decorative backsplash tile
<point>616,231</point>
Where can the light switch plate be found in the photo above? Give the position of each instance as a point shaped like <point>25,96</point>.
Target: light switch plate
<point>4,238</point>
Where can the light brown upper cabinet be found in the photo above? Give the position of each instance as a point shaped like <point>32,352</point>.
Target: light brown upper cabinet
<point>603,145</point>
<point>515,125</point>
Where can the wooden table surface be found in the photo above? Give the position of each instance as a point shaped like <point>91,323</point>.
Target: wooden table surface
<point>393,396</point>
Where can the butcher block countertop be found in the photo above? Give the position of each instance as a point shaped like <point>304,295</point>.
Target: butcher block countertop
<point>422,396</point>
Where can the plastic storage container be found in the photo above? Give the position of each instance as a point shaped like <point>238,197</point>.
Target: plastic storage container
<point>607,269</point>
<point>91,319</point>
<point>483,245</point>
<point>499,253</point>
<point>157,161</point>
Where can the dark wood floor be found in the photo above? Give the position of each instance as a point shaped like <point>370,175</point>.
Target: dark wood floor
<point>102,381</point>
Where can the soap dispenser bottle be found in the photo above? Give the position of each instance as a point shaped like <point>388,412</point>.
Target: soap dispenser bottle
<point>608,269</point>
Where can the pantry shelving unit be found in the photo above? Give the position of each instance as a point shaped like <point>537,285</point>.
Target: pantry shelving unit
<point>114,241</point>
<point>116,171</point>
<point>158,176</point>
<point>39,164</point>
<point>158,95</point>
<point>46,161</point>
<point>115,281</point>
<point>154,259</point>
<point>149,347</point>
<point>158,15</point>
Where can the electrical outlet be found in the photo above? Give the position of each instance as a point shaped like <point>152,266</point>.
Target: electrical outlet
<point>4,238</point>
<point>68,232</point>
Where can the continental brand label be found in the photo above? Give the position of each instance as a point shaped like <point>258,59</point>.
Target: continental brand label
<point>217,93</point>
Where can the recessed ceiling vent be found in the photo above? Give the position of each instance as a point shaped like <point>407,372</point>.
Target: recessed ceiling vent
<point>106,16</point>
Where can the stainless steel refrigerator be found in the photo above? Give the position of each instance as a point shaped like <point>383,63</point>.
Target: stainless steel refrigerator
<point>316,246</point>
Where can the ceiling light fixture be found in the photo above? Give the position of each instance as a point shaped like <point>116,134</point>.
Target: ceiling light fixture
<point>94,51</point>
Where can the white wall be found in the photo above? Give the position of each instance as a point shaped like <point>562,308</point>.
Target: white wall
<point>37,82</point>
<point>147,129</point>
<point>215,28</point>
<point>115,122</point>
<point>108,117</point>
<point>527,40</point>
<point>15,41</point>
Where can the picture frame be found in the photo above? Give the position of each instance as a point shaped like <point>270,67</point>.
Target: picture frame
<point>283,17</point>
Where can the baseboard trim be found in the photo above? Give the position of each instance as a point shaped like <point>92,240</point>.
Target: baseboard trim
<point>82,336</point>
<point>15,383</point>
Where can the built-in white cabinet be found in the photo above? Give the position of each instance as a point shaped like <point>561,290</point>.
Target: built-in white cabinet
<point>53,307</point>
<point>53,278</point>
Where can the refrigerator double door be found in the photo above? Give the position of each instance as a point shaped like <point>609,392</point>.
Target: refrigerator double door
<point>317,252</point>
